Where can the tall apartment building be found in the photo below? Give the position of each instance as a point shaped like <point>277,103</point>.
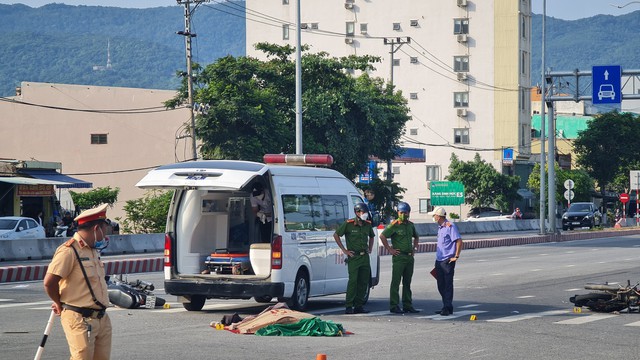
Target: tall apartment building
<point>465,72</point>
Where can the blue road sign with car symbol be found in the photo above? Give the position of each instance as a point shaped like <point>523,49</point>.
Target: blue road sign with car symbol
<point>606,84</point>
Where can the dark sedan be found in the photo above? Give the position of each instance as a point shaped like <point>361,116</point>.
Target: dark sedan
<point>581,214</point>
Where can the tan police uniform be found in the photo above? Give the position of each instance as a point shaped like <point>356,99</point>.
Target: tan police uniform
<point>85,323</point>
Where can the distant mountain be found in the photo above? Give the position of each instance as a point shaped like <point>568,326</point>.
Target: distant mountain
<point>581,44</point>
<point>60,43</point>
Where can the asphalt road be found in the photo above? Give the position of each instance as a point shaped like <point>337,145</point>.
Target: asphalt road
<point>519,296</point>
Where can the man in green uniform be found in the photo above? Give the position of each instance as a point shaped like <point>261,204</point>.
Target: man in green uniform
<point>401,231</point>
<point>359,237</point>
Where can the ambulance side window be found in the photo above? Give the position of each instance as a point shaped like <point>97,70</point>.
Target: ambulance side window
<point>336,210</point>
<point>300,212</point>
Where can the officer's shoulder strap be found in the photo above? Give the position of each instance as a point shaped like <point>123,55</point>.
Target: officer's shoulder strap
<point>69,242</point>
<point>448,224</point>
<point>351,220</point>
<point>395,222</point>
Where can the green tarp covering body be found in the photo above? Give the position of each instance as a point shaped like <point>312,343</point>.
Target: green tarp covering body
<point>305,327</point>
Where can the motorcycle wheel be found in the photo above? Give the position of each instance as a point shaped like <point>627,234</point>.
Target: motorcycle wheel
<point>584,300</point>
<point>598,302</point>
<point>160,302</point>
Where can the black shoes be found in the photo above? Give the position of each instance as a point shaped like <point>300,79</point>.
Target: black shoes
<point>360,310</point>
<point>396,310</point>
<point>411,310</point>
<point>349,310</point>
<point>444,312</point>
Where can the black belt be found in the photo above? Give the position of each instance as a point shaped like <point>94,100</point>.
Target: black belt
<point>359,253</point>
<point>86,312</point>
<point>406,253</point>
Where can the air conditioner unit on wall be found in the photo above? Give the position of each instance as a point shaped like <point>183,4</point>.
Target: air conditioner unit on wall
<point>462,112</point>
<point>348,40</point>
<point>462,3</point>
<point>462,76</point>
<point>462,38</point>
<point>348,5</point>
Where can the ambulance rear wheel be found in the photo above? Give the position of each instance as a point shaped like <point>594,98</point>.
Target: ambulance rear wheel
<point>300,298</point>
<point>263,299</point>
<point>196,304</point>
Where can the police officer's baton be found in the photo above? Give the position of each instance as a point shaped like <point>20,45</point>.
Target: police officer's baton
<point>47,330</point>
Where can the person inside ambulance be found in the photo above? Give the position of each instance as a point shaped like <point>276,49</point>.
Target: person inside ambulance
<point>262,207</point>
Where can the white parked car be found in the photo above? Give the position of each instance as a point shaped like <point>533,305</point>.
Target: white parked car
<point>16,227</point>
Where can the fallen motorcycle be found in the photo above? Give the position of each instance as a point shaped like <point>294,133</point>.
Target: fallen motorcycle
<point>609,298</point>
<point>133,294</point>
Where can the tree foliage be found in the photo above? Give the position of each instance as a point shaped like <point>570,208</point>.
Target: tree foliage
<point>583,183</point>
<point>608,148</point>
<point>251,108</point>
<point>148,214</point>
<point>94,197</point>
<point>483,184</point>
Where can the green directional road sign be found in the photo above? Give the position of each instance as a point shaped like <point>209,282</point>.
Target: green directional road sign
<point>447,193</point>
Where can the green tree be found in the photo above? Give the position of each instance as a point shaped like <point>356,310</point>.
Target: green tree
<point>251,104</point>
<point>148,214</point>
<point>583,183</point>
<point>94,197</point>
<point>483,184</point>
<point>610,143</point>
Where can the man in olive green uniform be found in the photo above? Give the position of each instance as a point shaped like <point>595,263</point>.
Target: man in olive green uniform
<point>401,231</point>
<point>358,233</point>
<point>76,284</point>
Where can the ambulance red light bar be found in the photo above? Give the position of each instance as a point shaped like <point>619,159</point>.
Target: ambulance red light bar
<point>299,159</point>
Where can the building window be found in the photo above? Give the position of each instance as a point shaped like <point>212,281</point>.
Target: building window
<point>461,99</point>
<point>523,56</point>
<point>396,26</point>
<point>523,98</point>
<point>460,136</point>
<point>314,26</point>
<point>363,28</point>
<point>98,139</point>
<point>461,26</point>
<point>413,60</point>
<point>396,62</point>
<point>285,2</point>
<point>395,169</point>
<point>425,206</point>
<point>350,28</point>
<point>523,29</point>
<point>460,63</point>
<point>285,32</point>
<point>433,172</point>
<point>414,23</point>
<point>413,131</point>
<point>413,96</point>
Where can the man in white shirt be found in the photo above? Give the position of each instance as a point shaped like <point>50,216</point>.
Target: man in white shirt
<point>262,207</point>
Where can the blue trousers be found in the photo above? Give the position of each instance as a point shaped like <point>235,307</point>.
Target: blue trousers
<point>444,277</point>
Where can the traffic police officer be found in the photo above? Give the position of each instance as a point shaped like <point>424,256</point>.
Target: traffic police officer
<point>401,231</point>
<point>75,281</point>
<point>359,236</point>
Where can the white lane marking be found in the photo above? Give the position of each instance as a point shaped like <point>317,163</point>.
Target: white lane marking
<point>27,304</point>
<point>637,323</point>
<point>525,296</point>
<point>514,257</point>
<point>456,314</point>
<point>534,270</point>
<point>570,252</point>
<point>543,254</point>
<point>569,265</point>
<point>497,274</point>
<point>468,306</point>
<point>528,316</point>
<point>481,260</point>
<point>574,289</point>
<point>7,300</point>
<point>585,319</point>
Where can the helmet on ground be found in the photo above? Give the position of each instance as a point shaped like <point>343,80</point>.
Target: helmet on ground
<point>361,207</point>
<point>404,207</point>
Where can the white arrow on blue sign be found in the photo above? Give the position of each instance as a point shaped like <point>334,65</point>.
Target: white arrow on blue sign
<point>606,84</point>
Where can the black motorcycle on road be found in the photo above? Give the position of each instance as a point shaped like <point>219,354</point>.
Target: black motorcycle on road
<point>609,298</point>
<point>132,294</point>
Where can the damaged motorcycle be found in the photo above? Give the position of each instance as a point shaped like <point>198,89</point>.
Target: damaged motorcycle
<point>609,298</point>
<point>132,294</point>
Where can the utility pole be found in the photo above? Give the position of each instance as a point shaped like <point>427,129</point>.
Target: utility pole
<point>187,40</point>
<point>298,82</point>
<point>543,89</point>
<point>395,43</point>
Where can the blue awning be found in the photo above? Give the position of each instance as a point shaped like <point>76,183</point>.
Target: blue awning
<point>52,175</point>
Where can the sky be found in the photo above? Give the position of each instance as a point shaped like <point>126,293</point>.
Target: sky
<point>563,9</point>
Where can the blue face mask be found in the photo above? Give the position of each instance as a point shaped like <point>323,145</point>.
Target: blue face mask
<point>102,243</point>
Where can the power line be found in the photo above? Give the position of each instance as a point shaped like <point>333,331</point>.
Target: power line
<point>147,110</point>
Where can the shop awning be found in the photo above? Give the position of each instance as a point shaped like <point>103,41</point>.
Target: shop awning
<point>18,180</point>
<point>52,175</point>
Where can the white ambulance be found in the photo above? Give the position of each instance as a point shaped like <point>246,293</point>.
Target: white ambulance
<point>213,243</point>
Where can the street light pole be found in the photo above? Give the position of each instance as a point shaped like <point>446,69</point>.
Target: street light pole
<point>298,83</point>
<point>542,113</point>
<point>395,44</point>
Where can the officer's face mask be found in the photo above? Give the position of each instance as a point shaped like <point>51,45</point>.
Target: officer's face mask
<point>103,242</point>
<point>364,216</point>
